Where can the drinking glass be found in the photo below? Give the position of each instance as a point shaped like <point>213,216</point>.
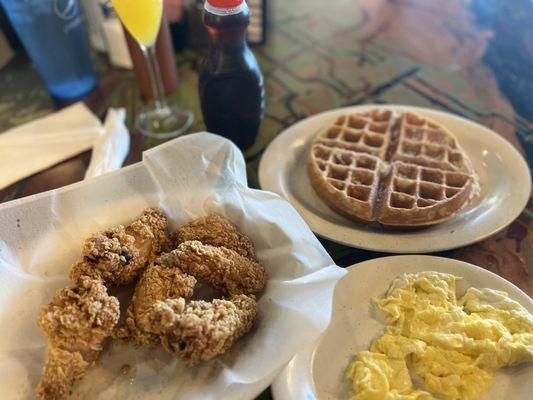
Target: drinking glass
<point>142,19</point>
<point>54,37</point>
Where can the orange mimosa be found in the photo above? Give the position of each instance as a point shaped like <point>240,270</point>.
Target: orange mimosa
<point>142,18</point>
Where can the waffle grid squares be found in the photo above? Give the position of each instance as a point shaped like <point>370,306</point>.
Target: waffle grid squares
<point>402,168</point>
<point>362,133</point>
<point>353,174</point>
<point>421,187</point>
<point>421,138</point>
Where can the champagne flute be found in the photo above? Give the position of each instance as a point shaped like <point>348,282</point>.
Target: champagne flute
<point>142,19</point>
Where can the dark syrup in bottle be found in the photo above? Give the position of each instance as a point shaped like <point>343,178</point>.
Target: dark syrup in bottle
<point>231,83</point>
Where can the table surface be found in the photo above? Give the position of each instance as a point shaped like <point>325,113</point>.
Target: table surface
<point>472,58</point>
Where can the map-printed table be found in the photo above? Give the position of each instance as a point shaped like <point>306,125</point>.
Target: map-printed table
<point>472,58</point>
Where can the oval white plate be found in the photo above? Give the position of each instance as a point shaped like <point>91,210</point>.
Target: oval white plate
<point>318,372</point>
<point>504,177</point>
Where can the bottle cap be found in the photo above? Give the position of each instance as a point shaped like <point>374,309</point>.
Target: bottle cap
<point>225,3</point>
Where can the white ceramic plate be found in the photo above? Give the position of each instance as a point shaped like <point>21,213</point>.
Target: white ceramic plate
<point>318,372</point>
<point>504,176</point>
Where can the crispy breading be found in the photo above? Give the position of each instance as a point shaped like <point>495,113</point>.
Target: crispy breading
<point>75,323</point>
<point>119,254</point>
<point>200,330</point>
<point>60,370</point>
<point>150,233</point>
<point>80,318</point>
<point>197,330</point>
<point>219,267</point>
<point>215,231</point>
<point>158,282</point>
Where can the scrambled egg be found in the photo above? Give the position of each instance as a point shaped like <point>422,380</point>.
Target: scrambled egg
<point>452,346</point>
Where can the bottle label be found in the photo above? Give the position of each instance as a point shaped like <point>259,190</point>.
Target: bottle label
<point>225,11</point>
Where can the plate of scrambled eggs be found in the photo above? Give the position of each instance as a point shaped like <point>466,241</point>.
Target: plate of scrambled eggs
<point>418,328</point>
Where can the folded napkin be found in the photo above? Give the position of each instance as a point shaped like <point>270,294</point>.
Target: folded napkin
<point>112,146</point>
<point>37,145</point>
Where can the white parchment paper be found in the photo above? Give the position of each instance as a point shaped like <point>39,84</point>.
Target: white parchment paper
<point>188,177</point>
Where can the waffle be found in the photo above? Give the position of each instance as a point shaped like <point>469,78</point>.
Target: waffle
<point>399,169</point>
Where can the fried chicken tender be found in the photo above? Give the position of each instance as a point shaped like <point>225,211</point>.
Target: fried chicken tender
<point>61,369</point>
<point>219,267</point>
<point>159,282</point>
<point>197,330</point>
<point>75,323</point>
<point>200,330</point>
<point>119,254</point>
<point>215,231</point>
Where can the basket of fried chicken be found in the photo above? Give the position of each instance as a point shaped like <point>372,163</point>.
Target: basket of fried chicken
<point>207,298</point>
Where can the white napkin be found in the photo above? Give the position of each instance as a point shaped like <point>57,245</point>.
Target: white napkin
<point>112,146</point>
<point>37,145</point>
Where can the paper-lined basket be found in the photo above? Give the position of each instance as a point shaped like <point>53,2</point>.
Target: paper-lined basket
<point>188,177</point>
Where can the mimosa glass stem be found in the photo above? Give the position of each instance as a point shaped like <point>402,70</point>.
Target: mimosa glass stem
<point>160,119</point>
<point>155,77</point>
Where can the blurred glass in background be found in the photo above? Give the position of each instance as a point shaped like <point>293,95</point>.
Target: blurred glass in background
<point>53,35</point>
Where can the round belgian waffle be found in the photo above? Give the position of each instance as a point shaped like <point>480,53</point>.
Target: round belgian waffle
<point>400,169</point>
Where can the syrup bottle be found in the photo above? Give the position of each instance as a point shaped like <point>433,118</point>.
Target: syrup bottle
<point>231,83</point>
